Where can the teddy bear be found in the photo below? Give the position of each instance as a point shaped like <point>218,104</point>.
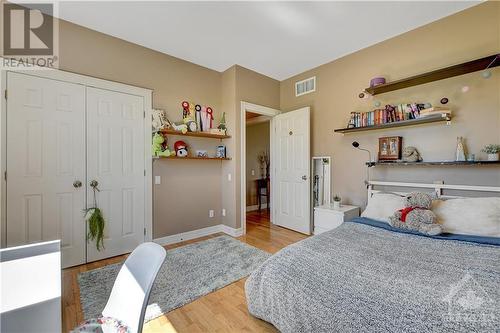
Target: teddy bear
<point>416,215</point>
<point>158,149</point>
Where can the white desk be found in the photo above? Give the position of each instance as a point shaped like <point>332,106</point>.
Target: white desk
<point>30,282</point>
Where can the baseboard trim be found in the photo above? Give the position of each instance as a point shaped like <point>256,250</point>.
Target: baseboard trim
<point>256,207</point>
<point>231,231</point>
<point>188,235</point>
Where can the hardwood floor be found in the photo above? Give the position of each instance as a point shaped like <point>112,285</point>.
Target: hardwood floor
<point>224,310</point>
<point>261,218</point>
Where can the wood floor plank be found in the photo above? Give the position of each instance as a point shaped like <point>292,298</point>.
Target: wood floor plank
<point>224,310</point>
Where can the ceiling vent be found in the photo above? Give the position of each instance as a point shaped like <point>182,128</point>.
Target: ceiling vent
<point>305,86</point>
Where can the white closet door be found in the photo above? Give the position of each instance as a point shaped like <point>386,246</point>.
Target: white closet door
<point>115,159</point>
<point>45,156</point>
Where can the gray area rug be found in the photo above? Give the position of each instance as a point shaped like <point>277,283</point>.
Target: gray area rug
<point>188,273</point>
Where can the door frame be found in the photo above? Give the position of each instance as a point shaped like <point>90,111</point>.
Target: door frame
<point>265,111</point>
<point>64,76</point>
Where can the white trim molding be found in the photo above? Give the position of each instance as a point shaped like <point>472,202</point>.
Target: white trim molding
<point>193,234</point>
<point>264,111</point>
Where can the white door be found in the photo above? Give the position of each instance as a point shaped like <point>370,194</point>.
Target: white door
<point>292,170</point>
<point>45,157</point>
<point>115,159</point>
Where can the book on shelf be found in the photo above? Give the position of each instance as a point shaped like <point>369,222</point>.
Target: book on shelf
<point>435,110</point>
<point>391,114</point>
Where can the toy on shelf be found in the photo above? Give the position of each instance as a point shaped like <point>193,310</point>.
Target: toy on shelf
<point>191,124</point>
<point>159,120</point>
<point>180,127</point>
<point>160,147</point>
<point>181,149</point>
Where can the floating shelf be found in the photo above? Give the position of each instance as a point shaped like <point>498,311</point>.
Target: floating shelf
<point>191,158</point>
<point>196,134</point>
<point>435,163</point>
<point>402,123</point>
<point>436,75</point>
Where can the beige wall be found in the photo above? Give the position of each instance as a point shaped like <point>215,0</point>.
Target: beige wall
<point>464,36</point>
<point>250,87</point>
<point>257,142</point>
<point>189,188</point>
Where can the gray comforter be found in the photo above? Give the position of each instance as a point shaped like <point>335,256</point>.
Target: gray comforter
<point>359,278</point>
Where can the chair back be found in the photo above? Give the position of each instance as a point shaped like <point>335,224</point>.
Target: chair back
<point>130,294</point>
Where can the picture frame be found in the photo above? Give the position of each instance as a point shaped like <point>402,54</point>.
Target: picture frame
<point>220,151</point>
<point>389,148</point>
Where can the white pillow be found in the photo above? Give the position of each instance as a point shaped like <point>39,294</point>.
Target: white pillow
<point>382,205</point>
<point>469,216</point>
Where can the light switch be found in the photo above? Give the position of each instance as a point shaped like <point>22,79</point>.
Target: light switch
<point>253,172</point>
<point>229,177</point>
<point>157,180</point>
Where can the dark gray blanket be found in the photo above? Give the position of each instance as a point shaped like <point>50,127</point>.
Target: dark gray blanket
<point>359,278</point>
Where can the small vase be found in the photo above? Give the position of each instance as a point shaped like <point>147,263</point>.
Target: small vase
<point>493,157</point>
<point>336,205</point>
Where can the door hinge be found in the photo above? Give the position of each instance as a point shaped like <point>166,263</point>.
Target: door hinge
<point>144,231</point>
<point>5,93</point>
<point>144,114</point>
<point>144,172</point>
<point>5,175</point>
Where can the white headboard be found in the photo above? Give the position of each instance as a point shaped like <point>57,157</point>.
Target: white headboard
<point>437,189</point>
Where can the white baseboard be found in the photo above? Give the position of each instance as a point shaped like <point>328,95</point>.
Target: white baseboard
<point>231,231</point>
<point>188,235</point>
<point>256,207</point>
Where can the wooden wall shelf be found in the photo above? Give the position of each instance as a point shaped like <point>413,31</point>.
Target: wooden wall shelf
<point>196,134</point>
<point>435,163</point>
<point>436,75</point>
<point>192,158</point>
<point>402,123</point>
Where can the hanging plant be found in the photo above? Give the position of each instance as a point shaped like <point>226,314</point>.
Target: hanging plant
<point>95,221</point>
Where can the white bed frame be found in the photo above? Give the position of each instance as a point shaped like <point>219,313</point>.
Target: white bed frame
<point>437,188</point>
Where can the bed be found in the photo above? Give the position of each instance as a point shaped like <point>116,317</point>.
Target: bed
<point>366,276</point>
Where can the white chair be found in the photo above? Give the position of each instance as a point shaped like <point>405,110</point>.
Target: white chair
<point>130,294</point>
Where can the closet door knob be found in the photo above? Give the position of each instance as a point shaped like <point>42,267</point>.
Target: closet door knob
<point>77,184</point>
<point>304,177</point>
<point>94,183</point>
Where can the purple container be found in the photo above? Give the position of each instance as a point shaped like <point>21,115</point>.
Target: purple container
<point>377,81</point>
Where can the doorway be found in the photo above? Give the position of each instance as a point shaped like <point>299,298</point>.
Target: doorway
<point>256,160</point>
<point>258,177</point>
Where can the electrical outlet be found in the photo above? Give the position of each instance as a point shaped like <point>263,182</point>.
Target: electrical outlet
<point>229,177</point>
<point>223,211</point>
<point>253,172</point>
<point>211,213</point>
<point>157,180</point>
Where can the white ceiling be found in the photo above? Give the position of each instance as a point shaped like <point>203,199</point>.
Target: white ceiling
<point>277,39</point>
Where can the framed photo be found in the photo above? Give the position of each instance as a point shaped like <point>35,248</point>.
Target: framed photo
<point>220,152</point>
<point>389,148</point>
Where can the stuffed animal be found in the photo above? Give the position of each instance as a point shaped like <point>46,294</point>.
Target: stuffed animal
<point>417,215</point>
<point>411,154</point>
<point>181,149</point>
<point>158,148</point>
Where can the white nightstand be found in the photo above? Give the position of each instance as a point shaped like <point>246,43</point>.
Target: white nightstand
<point>327,218</point>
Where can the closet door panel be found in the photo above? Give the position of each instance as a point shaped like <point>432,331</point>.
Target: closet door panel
<point>115,159</point>
<point>45,156</point>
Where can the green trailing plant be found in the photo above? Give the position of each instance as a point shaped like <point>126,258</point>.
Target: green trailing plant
<point>95,221</point>
<point>491,149</point>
